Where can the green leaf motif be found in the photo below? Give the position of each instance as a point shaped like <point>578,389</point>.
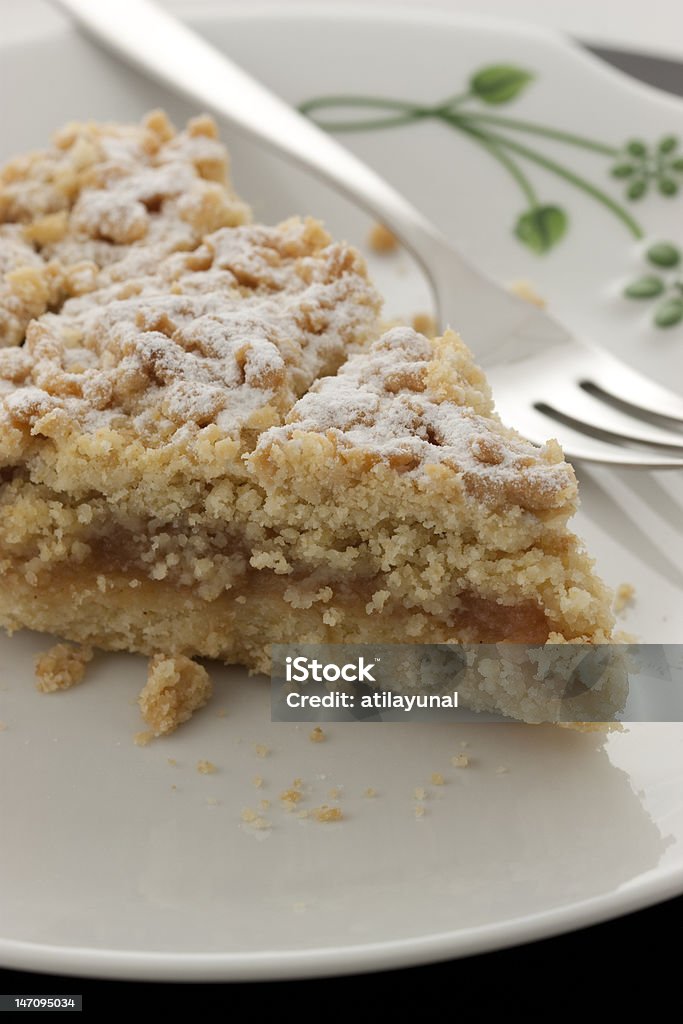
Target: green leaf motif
<point>542,228</point>
<point>663,254</point>
<point>636,147</point>
<point>499,83</point>
<point>668,187</point>
<point>637,189</point>
<point>668,144</point>
<point>647,287</point>
<point>669,313</point>
<point>623,170</point>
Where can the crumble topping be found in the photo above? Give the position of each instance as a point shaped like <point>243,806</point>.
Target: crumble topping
<point>176,687</point>
<point>415,404</point>
<point>62,667</point>
<point>108,202</point>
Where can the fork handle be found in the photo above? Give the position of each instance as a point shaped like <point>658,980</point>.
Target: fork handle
<point>169,51</point>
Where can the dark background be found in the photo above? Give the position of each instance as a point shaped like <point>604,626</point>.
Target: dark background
<point>595,969</point>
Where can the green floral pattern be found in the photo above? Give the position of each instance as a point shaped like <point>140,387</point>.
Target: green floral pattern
<point>639,168</point>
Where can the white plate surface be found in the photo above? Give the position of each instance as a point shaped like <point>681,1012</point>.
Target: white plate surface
<point>115,862</point>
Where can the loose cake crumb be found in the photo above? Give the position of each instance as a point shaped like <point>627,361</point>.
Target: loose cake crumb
<point>3,726</point>
<point>382,240</point>
<point>334,793</point>
<point>624,596</point>
<point>420,811</point>
<point>297,783</point>
<point>420,793</point>
<point>316,735</point>
<point>303,813</point>
<point>206,767</point>
<point>424,323</point>
<point>176,687</point>
<point>437,779</point>
<point>62,667</point>
<point>460,761</point>
<point>326,813</point>
<point>172,761</point>
<point>525,290</point>
<point>261,750</point>
<point>370,793</point>
<point>264,805</point>
<point>290,797</point>
<point>250,817</point>
<point>142,739</point>
<point>257,781</point>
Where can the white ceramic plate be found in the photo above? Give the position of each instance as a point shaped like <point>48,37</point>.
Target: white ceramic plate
<point>115,862</point>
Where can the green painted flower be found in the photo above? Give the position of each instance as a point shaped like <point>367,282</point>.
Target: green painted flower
<point>666,285</point>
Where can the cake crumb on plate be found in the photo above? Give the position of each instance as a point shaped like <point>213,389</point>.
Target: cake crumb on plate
<point>317,735</point>
<point>206,768</point>
<point>176,687</point>
<point>382,240</point>
<point>624,596</point>
<point>326,814</point>
<point>142,739</point>
<point>460,761</point>
<point>62,667</point>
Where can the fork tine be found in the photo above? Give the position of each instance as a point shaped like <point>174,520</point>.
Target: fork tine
<point>633,388</point>
<point>581,405</point>
<point>538,427</point>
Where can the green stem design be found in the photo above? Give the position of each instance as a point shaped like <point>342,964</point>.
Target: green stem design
<point>550,133</point>
<point>513,168</point>
<point>562,172</point>
<point>471,123</point>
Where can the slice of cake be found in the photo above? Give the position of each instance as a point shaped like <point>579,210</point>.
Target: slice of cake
<point>208,447</point>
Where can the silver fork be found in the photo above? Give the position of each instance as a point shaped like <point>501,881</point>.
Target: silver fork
<point>547,383</point>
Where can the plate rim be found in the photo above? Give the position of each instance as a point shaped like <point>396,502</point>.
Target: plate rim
<point>658,884</point>
<point>337,961</point>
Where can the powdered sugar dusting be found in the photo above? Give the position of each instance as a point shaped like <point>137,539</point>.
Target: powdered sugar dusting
<point>390,403</point>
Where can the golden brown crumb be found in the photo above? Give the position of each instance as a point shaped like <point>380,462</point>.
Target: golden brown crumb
<point>206,767</point>
<point>261,823</point>
<point>424,323</point>
<point>420,811</point>
<point>316,735</point>
<point>261,750</point>
<point>325,813</point>
<point>257,781</point>
<point>141,739</point>
<point>420,793</point>
<point>176,687</point>
<point>249,814</point>
<point>460,761</point>
<point>437,779</point>
<point>382,240</point>
<point>297,783</point>
<point>172,761</point>
<point>525,290</point>
<point>62,667</point>
<point>370,792</point>
<point>624,596</point>
<point>290,796</point>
